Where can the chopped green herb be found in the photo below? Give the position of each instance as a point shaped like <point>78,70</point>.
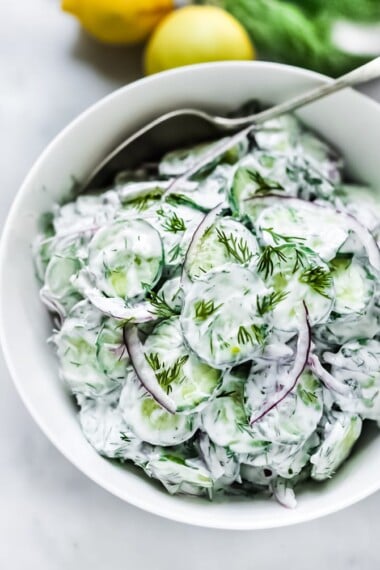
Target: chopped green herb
<point>166,376</point>
<point>173,223</point>
<point>238,249</point>
<point>269,302</point>
<point>318,278</point>
<point>160,305</point>
<point>264,185</point>
<point>280,238</point>
<point>204,309</point>
<point>253,334</point>
<point>267,259</point>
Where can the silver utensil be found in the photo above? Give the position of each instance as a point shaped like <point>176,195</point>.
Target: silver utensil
<point>176,128</point>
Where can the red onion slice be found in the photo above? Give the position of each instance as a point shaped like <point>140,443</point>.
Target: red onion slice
<point>206,222</point>
<point>350,222</point>
<point>144,372</point>
<point>300,362</point>
<point>326,378</point>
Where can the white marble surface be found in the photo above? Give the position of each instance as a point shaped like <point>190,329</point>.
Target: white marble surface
<point>51,516</point>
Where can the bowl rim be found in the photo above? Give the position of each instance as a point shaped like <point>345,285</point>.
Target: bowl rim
<point>139,501</point>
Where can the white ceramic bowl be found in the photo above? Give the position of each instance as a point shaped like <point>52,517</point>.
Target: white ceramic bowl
<point>349,120</point>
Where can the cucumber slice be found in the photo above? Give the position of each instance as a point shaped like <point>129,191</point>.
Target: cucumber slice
<point>222,464</point>
<point>354,286</point>
<point>91,352</point>
<point>259,174</point>
<point>227,425</point>
<point>126,258</point>
<point>190,382</point>
<point>340,432</point>
<point>362,202</point>
<point>296,274</point>
<point>279,134</point>
<point>179,474</point>
<point>220,320</point>
<point>149,421</point>
<point>321,231</point>
<point>86,213</point>
<point>67,256</point>
<point>176,225</point>
<point>107,432</point>
<point>226,241</point>
<point>177,162</point>
<point>294,419</point>
<point>357,365</point>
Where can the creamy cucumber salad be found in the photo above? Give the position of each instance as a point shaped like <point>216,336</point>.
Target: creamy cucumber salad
<point>221,330</point>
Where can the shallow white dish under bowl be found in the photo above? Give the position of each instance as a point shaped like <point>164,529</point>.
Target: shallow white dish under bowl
<point>350,121</point>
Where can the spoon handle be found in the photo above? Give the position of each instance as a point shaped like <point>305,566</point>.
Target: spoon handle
<point>362,74</point>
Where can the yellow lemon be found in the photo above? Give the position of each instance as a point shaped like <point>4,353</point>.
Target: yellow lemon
<point>119,21</point>
<point>196,34</point>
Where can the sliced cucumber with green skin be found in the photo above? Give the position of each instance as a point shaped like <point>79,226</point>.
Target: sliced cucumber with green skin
<point>356,364</point>
<point>362,202</point>
<point>296,275</point>
<point>226,241</point>
<point>86,213</point>
<point>260,173</point>
<point>280,134</point>
<point>189,381</point>
<point>346,328</point>
<point>149,421</point>
<point>222,464</point>
<point>67,256</point>
<point>177,162</point>
<point>353,284</point>
<point>227,425</point>
<point>220,321</point>
<point>340,433</point>
<point>105,429</point>
<point>126,258</point>
<point>295,418</point>
<point>176,225</point>
<point>179,474</point>
<point>322,231</point>
<point>284,460</point>
<point>91,352</point>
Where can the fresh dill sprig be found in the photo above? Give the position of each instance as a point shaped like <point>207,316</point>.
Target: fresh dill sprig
<point>204,309</point>
<point>124,437</point>
<point>266,261</point>
<point>253,334</point>
<point>280,238</point>
<point>172,223</point>
<point>301,259</point>
<point>236,248</point>
<point>264,185</point>
<point>166,376</point>
<point>269,302</point>
<point>160,305</point>
<point>175,252</point>
<point>318,278</point>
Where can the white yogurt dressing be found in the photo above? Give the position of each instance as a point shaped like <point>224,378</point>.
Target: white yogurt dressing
<point>275,293</point>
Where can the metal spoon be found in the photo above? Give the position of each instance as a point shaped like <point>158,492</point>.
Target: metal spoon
<point>172,129</point>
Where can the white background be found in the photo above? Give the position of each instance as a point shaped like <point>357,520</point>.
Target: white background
<point>51,516</point>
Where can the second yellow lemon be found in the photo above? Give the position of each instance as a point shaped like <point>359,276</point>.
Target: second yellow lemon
<point>196,34</point>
